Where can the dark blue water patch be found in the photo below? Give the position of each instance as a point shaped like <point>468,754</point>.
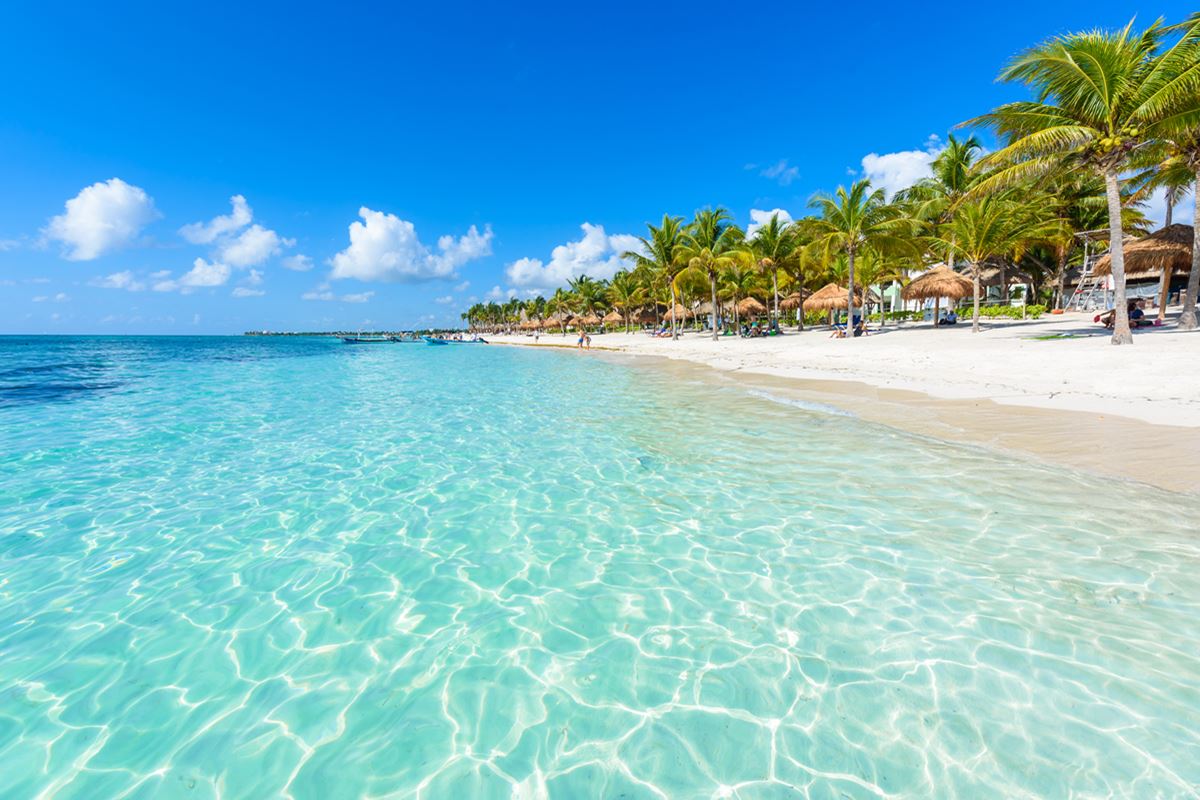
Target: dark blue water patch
<point>51,392</point>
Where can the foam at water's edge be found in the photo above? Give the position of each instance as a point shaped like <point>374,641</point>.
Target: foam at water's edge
<point>816,408</point>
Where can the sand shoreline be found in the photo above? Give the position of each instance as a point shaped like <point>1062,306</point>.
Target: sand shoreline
<point>1130,412</point>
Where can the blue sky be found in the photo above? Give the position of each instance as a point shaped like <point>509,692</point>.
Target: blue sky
<point>202,170</point>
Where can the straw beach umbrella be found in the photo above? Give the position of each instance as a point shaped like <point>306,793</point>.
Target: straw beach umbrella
<point>831,297</point>
<point>1163,253</point>
<point>793,301</point>
<point>613,318</point>
<point>935,284</point>
<point>751,308</point>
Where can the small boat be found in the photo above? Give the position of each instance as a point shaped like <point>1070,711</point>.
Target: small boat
<point>432,340</point>
<point>405,339</point>
<point>365,339</point>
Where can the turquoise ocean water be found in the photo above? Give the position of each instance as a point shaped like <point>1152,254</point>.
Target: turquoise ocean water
<point>237,567</point>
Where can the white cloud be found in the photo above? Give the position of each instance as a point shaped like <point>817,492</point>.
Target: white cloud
<point>462,287</point>
<point>61,297</point>
<point>895,171</point>
<point>1156,209</point>
<point>255,278</point>
<point>202,275</point>
<point>596,255</point>
<point>102,217</point>
<point>444,301</point>
<point>242,291</point>
<point>119,280</point>
<point>323,292</point>
<point>781,172</point>
<point>759,217</point>
<point>238,242</point>
<point>384,247</point>
<point>207,233</point>
<point>252,246</point>
<point>9,244</point>
<point>297,263</point>
<point>496,294</point>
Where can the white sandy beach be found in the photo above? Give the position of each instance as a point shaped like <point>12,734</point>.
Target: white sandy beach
<point>1132,412</point>
<point>1154,380</point>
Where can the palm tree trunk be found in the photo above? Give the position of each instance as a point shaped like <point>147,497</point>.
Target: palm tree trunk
<point>712,277</point>
<point>1121,332</point>
<point>674,328</point>
<point>850,294</point>
<point>975,291</point>
<point>800,308</point>
<point>1187,320</point>
<point>775,288</point>
<point>937,309</point>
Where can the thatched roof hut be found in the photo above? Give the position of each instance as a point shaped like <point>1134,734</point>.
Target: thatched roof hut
<point>645,316</point>
<point>938,282</point>
<point>551,322</point>
<point>613,318</point>
<point>1147,257</point>
<point>794,300</point>
<point>831,297</point>
<point>587,319</point>
<point>680,312</point>
<point>749,307</point>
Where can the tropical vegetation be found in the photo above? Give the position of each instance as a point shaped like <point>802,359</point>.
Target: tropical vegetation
<point>1114,116</point>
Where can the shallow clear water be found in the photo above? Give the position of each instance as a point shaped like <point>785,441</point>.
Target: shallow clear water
<point>264,567</point>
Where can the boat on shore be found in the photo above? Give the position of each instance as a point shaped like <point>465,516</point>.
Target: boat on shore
<point>434,340</point>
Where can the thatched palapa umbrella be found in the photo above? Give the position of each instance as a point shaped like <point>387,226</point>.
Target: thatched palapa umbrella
<point>613,318</point>
<point>1161,254</point>
<point>793,301</point>
<point>749,307</point>
<point>937,283</point>
<point>587,319</point>
<point>831,297</point>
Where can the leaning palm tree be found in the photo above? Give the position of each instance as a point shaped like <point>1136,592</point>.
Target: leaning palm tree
<point>859,218</point>
<point>1099,95</point>
<point>661,256</point>
<point>711,245</point>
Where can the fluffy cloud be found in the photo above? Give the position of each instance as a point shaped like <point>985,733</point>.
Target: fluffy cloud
<point>384,247</point>
<point>238,242</point>
<point>496,294</point>
<point>202,275</point>
<point>119,280</point>
<point>253,246</point>
<point>323,292</point>
<point>781,172</point>
<point>102,217</point>
<point>444,301</point>
<point>462,287</point>
<point>596,255</point>
<point>297,263</point>
<point>61,297</point>
<point>895,171</point>
<point>243,291</point>
<point>758,218</point>
<point>207,233</point>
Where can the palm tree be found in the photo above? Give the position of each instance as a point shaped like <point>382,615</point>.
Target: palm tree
<point>935,198</point>
<point>711,245</point>
<point>775,246</point>
<point>996,226</point>
<point>738,280</point>
<point>856,219</point>
<point>1099,96</point>
<point>625,293</point>
<point>1180,133</point>
<point>662,256</point>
